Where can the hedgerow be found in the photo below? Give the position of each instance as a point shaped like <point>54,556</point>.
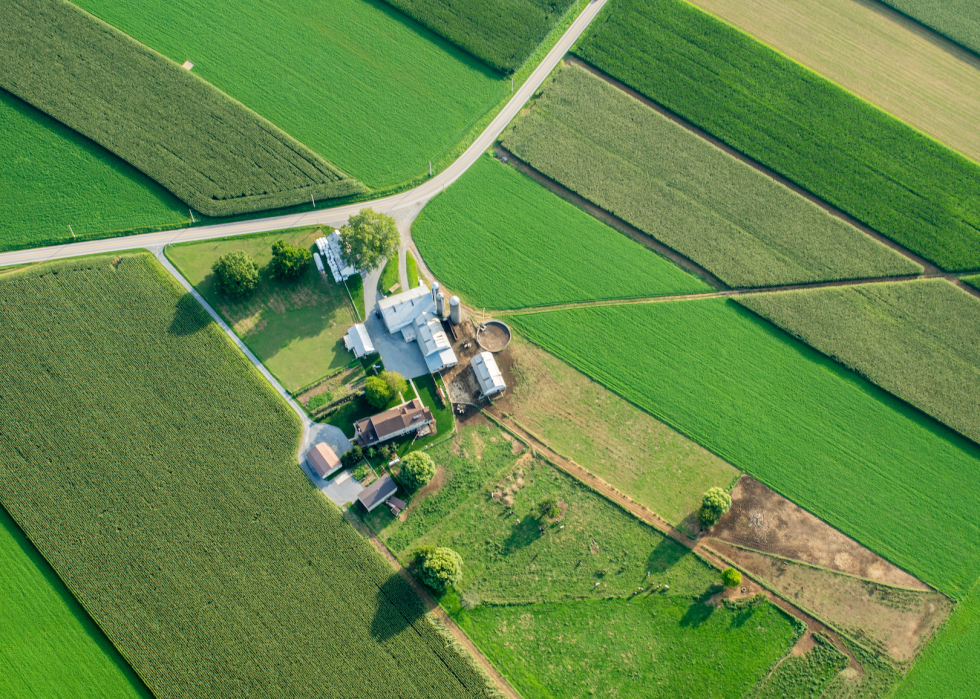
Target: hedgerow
<point>155,469</point>
<point>736,222</point>
<point>502,33</point>
<point>194,140</point>
<point>842,149</point>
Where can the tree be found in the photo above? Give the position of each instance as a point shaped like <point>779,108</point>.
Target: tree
<point>236,274</point>
<point>714,504</point>
<point>439,567</point>
<point>368,239</point>
<point>549,508</point>
<point>377,392</point>
<point>396,382</point>
<point>731,577</point>
<point>289,261</point>
<point>418,468</point>
<point>352,457</point>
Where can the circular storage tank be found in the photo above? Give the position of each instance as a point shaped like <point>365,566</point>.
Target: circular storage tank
<point>493,336</point>
<point>455,310</point>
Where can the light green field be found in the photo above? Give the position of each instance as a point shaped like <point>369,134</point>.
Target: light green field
<point>880,471</point>
<point>52,178</point>
<point>501,240</point>
<point>355,80</point>
<point>50,647</point>
<point>295,328</point>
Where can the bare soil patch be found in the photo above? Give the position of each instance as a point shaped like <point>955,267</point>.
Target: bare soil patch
<point>766,521</point>
<point>892,621</point>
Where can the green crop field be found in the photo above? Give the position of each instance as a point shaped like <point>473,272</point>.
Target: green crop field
<point>156,471</point>
<point>205,148</point>
<point>737,223</point>
<point>854,156</point>
<point>958,20</point>
<point>502,34</point>
<point>880,471</point>
<point>915,339</point>
<point>50,646</point>
<point>500,240</point>
<point>973,281</point>
<point>54,178</point>
<point>358,82</point>
<point>295,328</point>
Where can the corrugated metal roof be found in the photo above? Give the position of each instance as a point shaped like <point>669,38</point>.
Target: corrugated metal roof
<point>488,373</point>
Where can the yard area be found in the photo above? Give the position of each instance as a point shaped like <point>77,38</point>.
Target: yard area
<point>295,328</point>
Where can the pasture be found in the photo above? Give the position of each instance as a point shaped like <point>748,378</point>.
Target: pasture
<point>175,510</point>
<point>196,142</point>
<point>958,20</point>
<point>500,240</point>
<point>54,177</point>
<point>804,676</point>
<point>295,328</point>
<point>50,646</point>
<point>885,174</point>
<point>880,471</point>
<point>360,84</point>
<point>502,34</point>
<point>734,221</point>
<point>881,57</point>
<point>915,339</point>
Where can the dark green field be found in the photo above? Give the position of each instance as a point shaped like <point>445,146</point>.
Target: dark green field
<point>845,151</point>
<point>156,471</point>
<point>958,20</point>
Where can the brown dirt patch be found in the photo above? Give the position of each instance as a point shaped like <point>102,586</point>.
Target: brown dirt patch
<point>893,621</point>
<point>766,521</point>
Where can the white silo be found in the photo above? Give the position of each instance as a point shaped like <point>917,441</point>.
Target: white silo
<point>441,305</point>
<point>435,291</point>
<point>455,311</point>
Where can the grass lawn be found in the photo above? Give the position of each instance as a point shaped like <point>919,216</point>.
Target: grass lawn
<point>295,328</point>
<point>389,277</point>
<point>412,268</point>
<point>53,177</point>
<point>501,240</point>
<point>51,647</point>
<point>731,219</point>
<point>175,510</point>
<point>358,82</point>
<point>880,471</point>
<point>611,437</point>
<point>916,339</point>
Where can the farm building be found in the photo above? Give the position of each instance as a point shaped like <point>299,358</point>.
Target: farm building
<point>413,314</point>
<point>396,506</point>
<point>323,460</point>
<point>329,247</point>
<point>488,375</point>
<point>358,341</point>
<point>408,417</point>
<point>378,492</point>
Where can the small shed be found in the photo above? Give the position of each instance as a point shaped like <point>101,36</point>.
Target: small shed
<point>378,492</point>
<point>488,375</point>
<point>323,460</point>
<point>358,341</point>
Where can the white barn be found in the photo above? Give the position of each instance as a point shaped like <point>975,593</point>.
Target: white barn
<point>358,341</point>
<point>413,314</point>
<point>488,375</point>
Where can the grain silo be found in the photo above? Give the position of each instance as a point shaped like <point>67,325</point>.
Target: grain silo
<point>441,305</point>
<point>455,311</point>
<point>435,291</point>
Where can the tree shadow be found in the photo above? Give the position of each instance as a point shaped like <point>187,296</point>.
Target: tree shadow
<point>700,611</point>
<point>666,555</point>
<point>189,317</point>
<point>398,608</point>
<point>522,535</point>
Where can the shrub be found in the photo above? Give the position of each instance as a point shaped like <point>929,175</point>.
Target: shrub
<point>439,567</point>
<point>731,577</point>
<point>549,508</point>
<point>368,239</point>
<point>352,457</point>
<point>714,504</point>
<point>289,261</point>
<point>377,392</point>
<point>236,274</point>
<point>396,383</point>
<point>418,468</point>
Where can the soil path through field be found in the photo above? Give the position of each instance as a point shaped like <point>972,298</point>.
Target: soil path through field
<point>650,517</point>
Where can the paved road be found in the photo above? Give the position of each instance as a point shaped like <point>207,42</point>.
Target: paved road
<point>337,216</point>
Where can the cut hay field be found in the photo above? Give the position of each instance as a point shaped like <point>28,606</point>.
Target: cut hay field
<point>502,34</point>
<point>917,340</point>
<point>959,20</point>
<point>880,471</point>
<point>297,328</point>
<point>207,149</point>
<point>156,471</point>
<point>357,82</point>
<point>50,646</point>
<point>501,240</point>
<point>731,219</point>
<point>54,178</point>
<point>878,55</point>
<point>856,157</point>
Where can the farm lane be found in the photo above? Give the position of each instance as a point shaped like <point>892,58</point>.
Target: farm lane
<point>336,216</point>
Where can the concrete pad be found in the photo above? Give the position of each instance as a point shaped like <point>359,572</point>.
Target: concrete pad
<point>404,357</point>
<point>342,489</point>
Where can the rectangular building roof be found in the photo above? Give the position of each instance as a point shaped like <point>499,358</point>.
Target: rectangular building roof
<point>381,426</point>
<point>359,341</point>
<point>488,374</point>
<point>323,459</point>
<point>376,493</point>
<point>402,309</point>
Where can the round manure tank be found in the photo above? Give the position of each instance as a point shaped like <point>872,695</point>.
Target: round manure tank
<point>493,336</point>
